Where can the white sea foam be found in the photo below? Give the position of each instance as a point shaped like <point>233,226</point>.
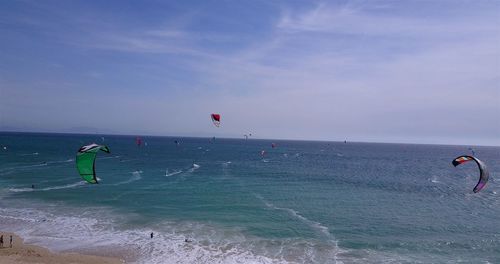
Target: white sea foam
<point>434,179</point>
<point>88,231</point>
<point>194,167</point>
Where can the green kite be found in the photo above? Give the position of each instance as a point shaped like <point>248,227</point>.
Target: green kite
<point>85,161</point>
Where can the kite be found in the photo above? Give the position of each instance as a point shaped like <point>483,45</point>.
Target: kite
<point>215,119</point>
<point>483,172</point>
<point>138,141</point>
<point>85,161</point>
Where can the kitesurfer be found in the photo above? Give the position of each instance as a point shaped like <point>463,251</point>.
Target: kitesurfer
<point>32,186</point>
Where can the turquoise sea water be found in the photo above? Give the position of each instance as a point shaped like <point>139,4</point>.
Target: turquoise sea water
<point>303,202</point>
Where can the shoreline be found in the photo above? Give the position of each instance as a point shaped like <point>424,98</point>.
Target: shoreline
<point>24,253</point>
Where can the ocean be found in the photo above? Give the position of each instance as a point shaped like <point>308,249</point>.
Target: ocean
<point>221,201</point>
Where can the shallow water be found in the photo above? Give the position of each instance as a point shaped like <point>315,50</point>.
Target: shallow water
<point>303,202</point>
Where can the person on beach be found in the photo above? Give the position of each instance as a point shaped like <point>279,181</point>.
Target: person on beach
<point>151,234</point>
<point>1,241</point>
<point>10,240</point>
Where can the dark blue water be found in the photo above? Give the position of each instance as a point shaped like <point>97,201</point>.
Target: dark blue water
<point>302,202</point>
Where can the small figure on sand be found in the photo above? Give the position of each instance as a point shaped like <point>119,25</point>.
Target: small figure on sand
<point>151,234</point>
<point>10,240</point>
<point>1,241</point>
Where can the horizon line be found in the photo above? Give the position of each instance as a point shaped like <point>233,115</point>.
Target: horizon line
<point>267,139</point>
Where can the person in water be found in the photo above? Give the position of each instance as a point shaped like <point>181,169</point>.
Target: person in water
<point>32,186</point>
<point>151,234</point>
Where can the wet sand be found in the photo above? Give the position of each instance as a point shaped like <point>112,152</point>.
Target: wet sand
<point>22,253</point>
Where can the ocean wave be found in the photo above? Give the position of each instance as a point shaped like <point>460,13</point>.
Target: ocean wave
<point>100,229</point>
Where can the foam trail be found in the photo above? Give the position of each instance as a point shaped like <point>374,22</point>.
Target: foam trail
<point>168,174</point>
<point>67,186</point>
<point>29,154</point>
<point>60,161</point>
<point>104,158</point>
<point>80,183</point>
<point>10,170</point>
<point>136,175</point>
<point>313,224</point>
<point>21,189</point>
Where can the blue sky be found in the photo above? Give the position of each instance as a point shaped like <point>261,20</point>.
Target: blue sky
<point>383,71</point>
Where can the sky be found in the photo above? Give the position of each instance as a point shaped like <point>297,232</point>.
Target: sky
<point>370,71</point>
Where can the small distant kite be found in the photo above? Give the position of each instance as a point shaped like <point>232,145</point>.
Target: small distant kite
<point>85,161</point>
<point>138,141</point>
<point>215,119</point>
<point>483,172</point>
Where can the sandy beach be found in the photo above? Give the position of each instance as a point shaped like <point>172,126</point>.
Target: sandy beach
<point>22,253</point>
